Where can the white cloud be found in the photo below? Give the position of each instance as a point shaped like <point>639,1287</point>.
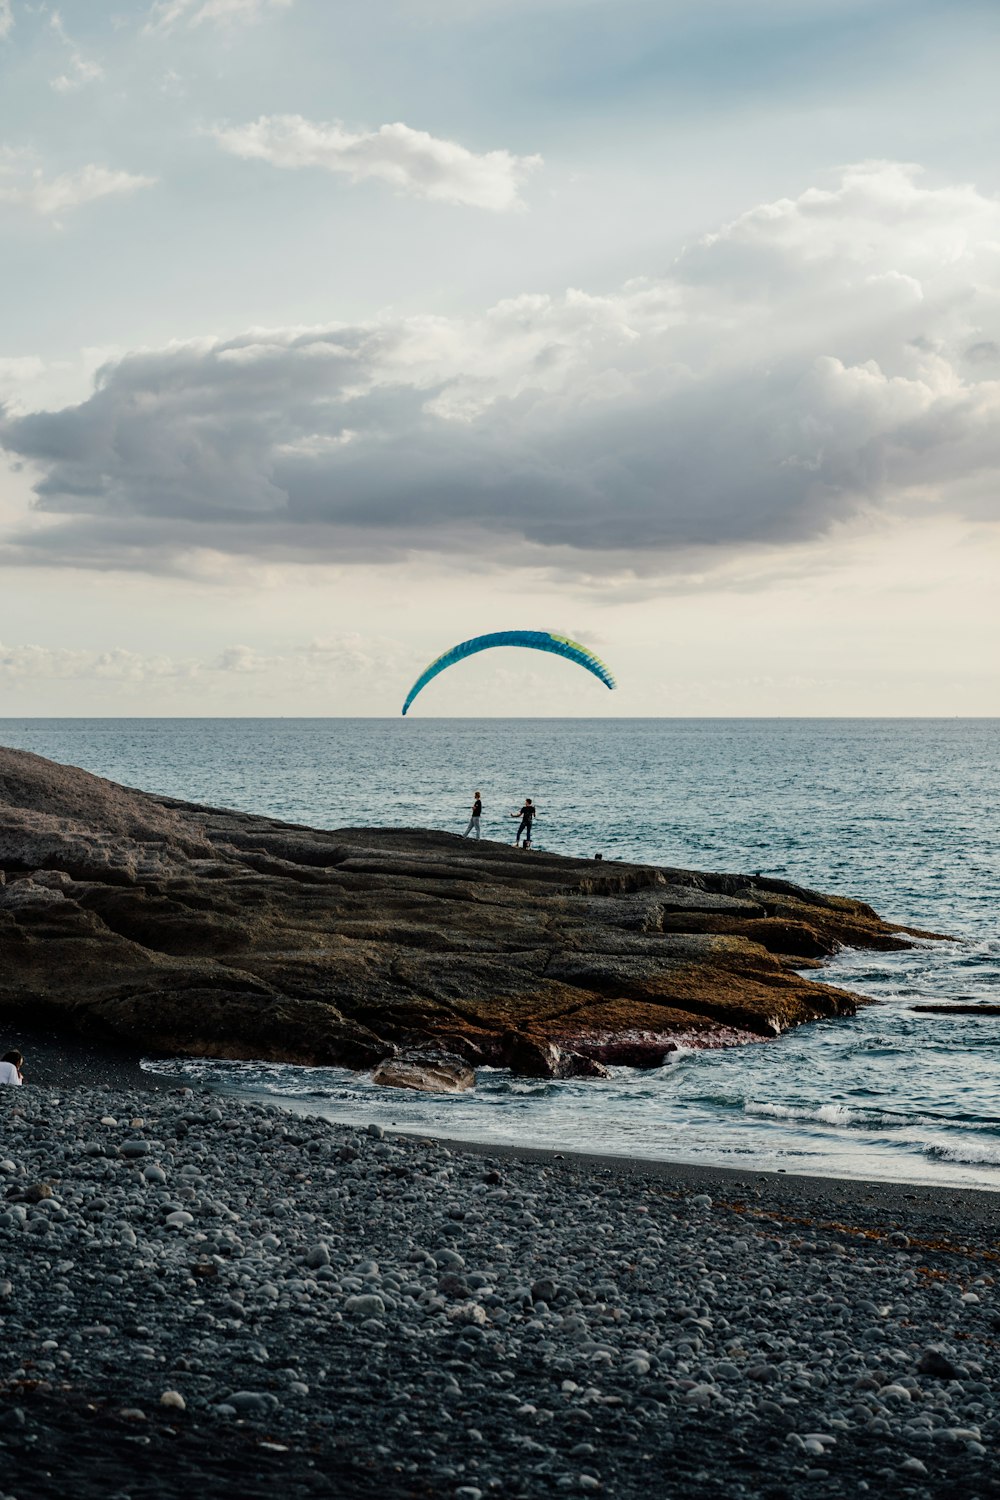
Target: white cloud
<point>310,664</point>
<point>28,663</point>
<point>819,358</point>
<point>49,197</point>
<point>411,161</point>
<point>80,70</point>
<point>17,371</point>
<point>166,14</point>
<point>320,660</point>
<point>6,18</point>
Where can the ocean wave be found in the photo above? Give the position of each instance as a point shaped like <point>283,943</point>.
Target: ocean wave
<point>964,1153</point>
<point>827,1114</point>
<point>847,1117</point>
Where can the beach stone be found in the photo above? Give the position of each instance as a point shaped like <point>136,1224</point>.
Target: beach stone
<point>369,1305</point>
<point>935,1362</point>
<point>452,1285</point>
<point>699,1395</point>
<point>449,1259</point>
<point>896,1393</point>
<point>36,1192</point>
<point>252,1403</point>
<point>468,1312</point>
<point>174,1400</point>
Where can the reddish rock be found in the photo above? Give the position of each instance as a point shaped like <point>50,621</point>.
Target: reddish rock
<point>535,1056</point>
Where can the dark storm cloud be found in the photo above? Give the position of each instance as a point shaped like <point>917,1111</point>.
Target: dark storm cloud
<point>791,370</point>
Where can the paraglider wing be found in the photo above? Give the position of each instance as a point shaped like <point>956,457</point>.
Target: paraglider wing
<point>536,640</point>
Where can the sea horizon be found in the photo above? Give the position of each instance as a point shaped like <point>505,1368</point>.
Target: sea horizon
<point>520,718</point>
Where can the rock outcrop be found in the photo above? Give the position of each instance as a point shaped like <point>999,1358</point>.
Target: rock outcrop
<point>430,1075</point>
<point>201,931</point>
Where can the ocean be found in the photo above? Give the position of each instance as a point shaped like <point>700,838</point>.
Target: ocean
<point>903,813</point>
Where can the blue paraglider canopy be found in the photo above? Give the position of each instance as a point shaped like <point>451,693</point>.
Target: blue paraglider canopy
<point>535,640</point>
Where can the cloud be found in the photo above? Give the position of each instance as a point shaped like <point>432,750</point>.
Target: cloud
<point>166,14</point>
<point>29,663</point>
<point>373,660</point>
<point>6,18</point>
<point>801,366</point>
<point>319,660</point>
<point>18,371</point>
<point>50,197</point>
<point>80,70</point>
<point>411,161</point>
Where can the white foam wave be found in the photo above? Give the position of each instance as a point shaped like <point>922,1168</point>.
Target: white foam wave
<point>824,1114</point>
<point>967,1153</point>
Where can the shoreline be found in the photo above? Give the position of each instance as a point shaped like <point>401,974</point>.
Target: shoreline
<point>53,1061</point>
<point>979,1207</point>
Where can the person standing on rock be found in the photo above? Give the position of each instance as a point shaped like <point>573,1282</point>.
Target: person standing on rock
<point>10,1068</point>
<point>477,812</point>
<point>527,815</point>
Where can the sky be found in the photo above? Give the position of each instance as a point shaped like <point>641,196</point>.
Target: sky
<point>334,334</point>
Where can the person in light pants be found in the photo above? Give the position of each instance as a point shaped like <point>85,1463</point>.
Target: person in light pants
<point>477,812</point>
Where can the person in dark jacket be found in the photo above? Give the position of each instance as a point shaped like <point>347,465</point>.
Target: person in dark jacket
<point>477,812</point>
<point>527,814</point>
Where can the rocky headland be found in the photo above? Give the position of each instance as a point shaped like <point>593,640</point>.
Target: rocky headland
<point>202,931</point>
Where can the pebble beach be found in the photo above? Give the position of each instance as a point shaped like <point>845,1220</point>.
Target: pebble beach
<point>200,1290</point>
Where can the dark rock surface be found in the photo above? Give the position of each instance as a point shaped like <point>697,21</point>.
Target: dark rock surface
<point>200,931</point>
